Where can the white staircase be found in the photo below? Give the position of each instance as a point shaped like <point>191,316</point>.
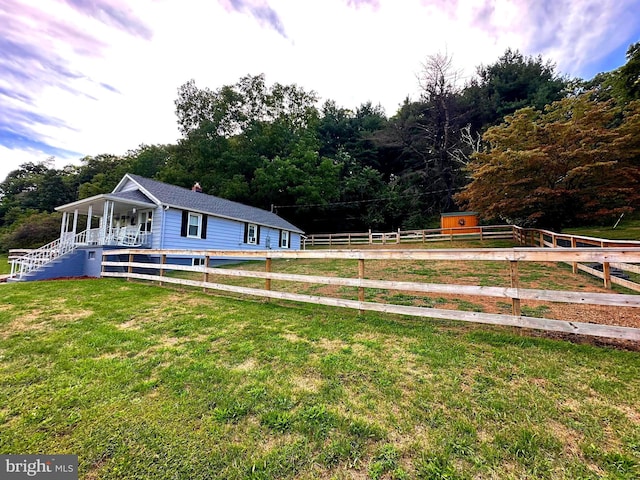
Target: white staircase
<point>36,259</point>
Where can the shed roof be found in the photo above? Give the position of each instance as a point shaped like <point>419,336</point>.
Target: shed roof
<point>186,199</point>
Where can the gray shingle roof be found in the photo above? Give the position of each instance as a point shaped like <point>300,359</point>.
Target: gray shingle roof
<point>201,202</point>
<point>135,195</point>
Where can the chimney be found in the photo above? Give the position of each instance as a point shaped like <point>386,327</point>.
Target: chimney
<point>196,188</point>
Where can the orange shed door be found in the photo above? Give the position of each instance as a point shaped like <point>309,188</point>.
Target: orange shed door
<point>460,222</point>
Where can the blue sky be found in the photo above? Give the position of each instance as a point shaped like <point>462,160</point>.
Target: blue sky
<point>85,77</point>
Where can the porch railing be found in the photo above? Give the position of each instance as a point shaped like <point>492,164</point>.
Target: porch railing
<point>46,254</point>
<point>68,242</point>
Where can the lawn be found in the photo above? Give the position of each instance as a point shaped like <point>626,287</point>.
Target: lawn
<point>628,229</point>
<point>5,266</point>
<point>148,382</point>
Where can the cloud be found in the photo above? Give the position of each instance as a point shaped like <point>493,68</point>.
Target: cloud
<point>17,131</point>
<point>576,33</point>
<point>258,9</point>
<point>43,53</point>
<point>113,13</point>
<point>375,4</point>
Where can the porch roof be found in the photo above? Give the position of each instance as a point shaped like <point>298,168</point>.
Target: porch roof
<point>122,201</point>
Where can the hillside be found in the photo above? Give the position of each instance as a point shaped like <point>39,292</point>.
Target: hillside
<point>149,382</point>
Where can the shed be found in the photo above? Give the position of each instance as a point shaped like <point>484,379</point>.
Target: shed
<point>459,222</point>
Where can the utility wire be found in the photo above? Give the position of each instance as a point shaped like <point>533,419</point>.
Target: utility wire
<point>353,202</point>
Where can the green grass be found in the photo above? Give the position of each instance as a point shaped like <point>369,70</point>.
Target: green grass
<point>149,382</point>
<point>5,266</point>
<point>628,229</point>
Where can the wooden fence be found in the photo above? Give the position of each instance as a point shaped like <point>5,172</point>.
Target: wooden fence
<point>491,232</point>
<point>523,236</point>
<point>604,270</point>
<point>152,265</point>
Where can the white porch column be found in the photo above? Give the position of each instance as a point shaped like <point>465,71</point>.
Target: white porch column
<point>104,223</point>
<point>75,222</point>
<point>111,215</point>
<point>63,227</point>
<point>89,214</point>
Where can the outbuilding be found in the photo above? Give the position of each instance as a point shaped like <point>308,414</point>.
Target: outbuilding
<point>459,222</point>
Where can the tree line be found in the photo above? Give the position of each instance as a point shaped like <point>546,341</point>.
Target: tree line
<point>518,143</point>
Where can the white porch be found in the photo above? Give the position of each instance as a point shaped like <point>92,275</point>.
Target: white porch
<point>122,219</point>
<point>107,219</point>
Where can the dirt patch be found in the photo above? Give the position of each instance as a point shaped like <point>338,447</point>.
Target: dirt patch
<point>246,366</point>
<point>307,383</point>
<point>332,345</point>
<point>40,321</point>
<point>293,338</point>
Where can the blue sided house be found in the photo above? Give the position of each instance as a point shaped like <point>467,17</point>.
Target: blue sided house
<point>145,213</point>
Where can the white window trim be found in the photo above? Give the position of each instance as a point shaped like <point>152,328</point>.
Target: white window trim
<point>197,261</point>
<point>199,217</point>
<point>285,239</point>
<point>144,220</point>
<point>252,240</point>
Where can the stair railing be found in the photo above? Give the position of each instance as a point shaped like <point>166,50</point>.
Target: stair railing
<point>46,254</point>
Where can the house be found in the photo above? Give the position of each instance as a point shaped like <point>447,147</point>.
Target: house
<point>141,212</point>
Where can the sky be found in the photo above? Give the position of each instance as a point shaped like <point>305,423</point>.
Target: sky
<point>85,77</point>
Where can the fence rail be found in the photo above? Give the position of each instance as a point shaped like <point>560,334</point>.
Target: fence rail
<point>523,236</point>
<point>410,236</point>
<point>548,239</point>
<point>152,265</point>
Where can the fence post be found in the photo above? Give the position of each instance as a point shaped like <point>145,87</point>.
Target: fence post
<point>541,239</point>
<point>515,302</point>
<point>574,265</point>
<point>361,276</point>
<point>370,237</point>
<point>606,270</point>
<point>398,236</point>
<point>206,273</point>
<point>267,268</point>
<point>554,240</point>
<point>329,239</point>
<point>163,261</point>
<point>423,236</point>
<point>130,267</point>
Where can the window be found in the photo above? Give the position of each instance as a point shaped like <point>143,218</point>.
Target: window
<point>284,239</point>
<point>251,234</point>
<point>145,220</point>
<point>197,261</point>
<point>194,225</point>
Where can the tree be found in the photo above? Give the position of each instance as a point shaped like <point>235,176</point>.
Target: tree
<point>622,84</point>
<point>514,81</point>
<point>576,162</point>
<point>32,231</point>
<point>233,108</point>
<point>426,139</point>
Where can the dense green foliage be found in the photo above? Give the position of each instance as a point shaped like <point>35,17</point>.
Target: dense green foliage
<point>328,168</point>
<point>574,163</point>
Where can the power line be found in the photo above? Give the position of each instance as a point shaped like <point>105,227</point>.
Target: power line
<point>353,202</point>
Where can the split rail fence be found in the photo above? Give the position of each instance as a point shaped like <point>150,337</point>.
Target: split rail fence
<point>491,232</point>
<point>524,236</point>
<point>153,265</point>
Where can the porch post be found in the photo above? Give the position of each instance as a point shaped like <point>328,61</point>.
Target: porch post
<point>63,226</point>
<point>111,214</point>
<point>75,222</point>
<point>89,214</point>
<point>104,223</point>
